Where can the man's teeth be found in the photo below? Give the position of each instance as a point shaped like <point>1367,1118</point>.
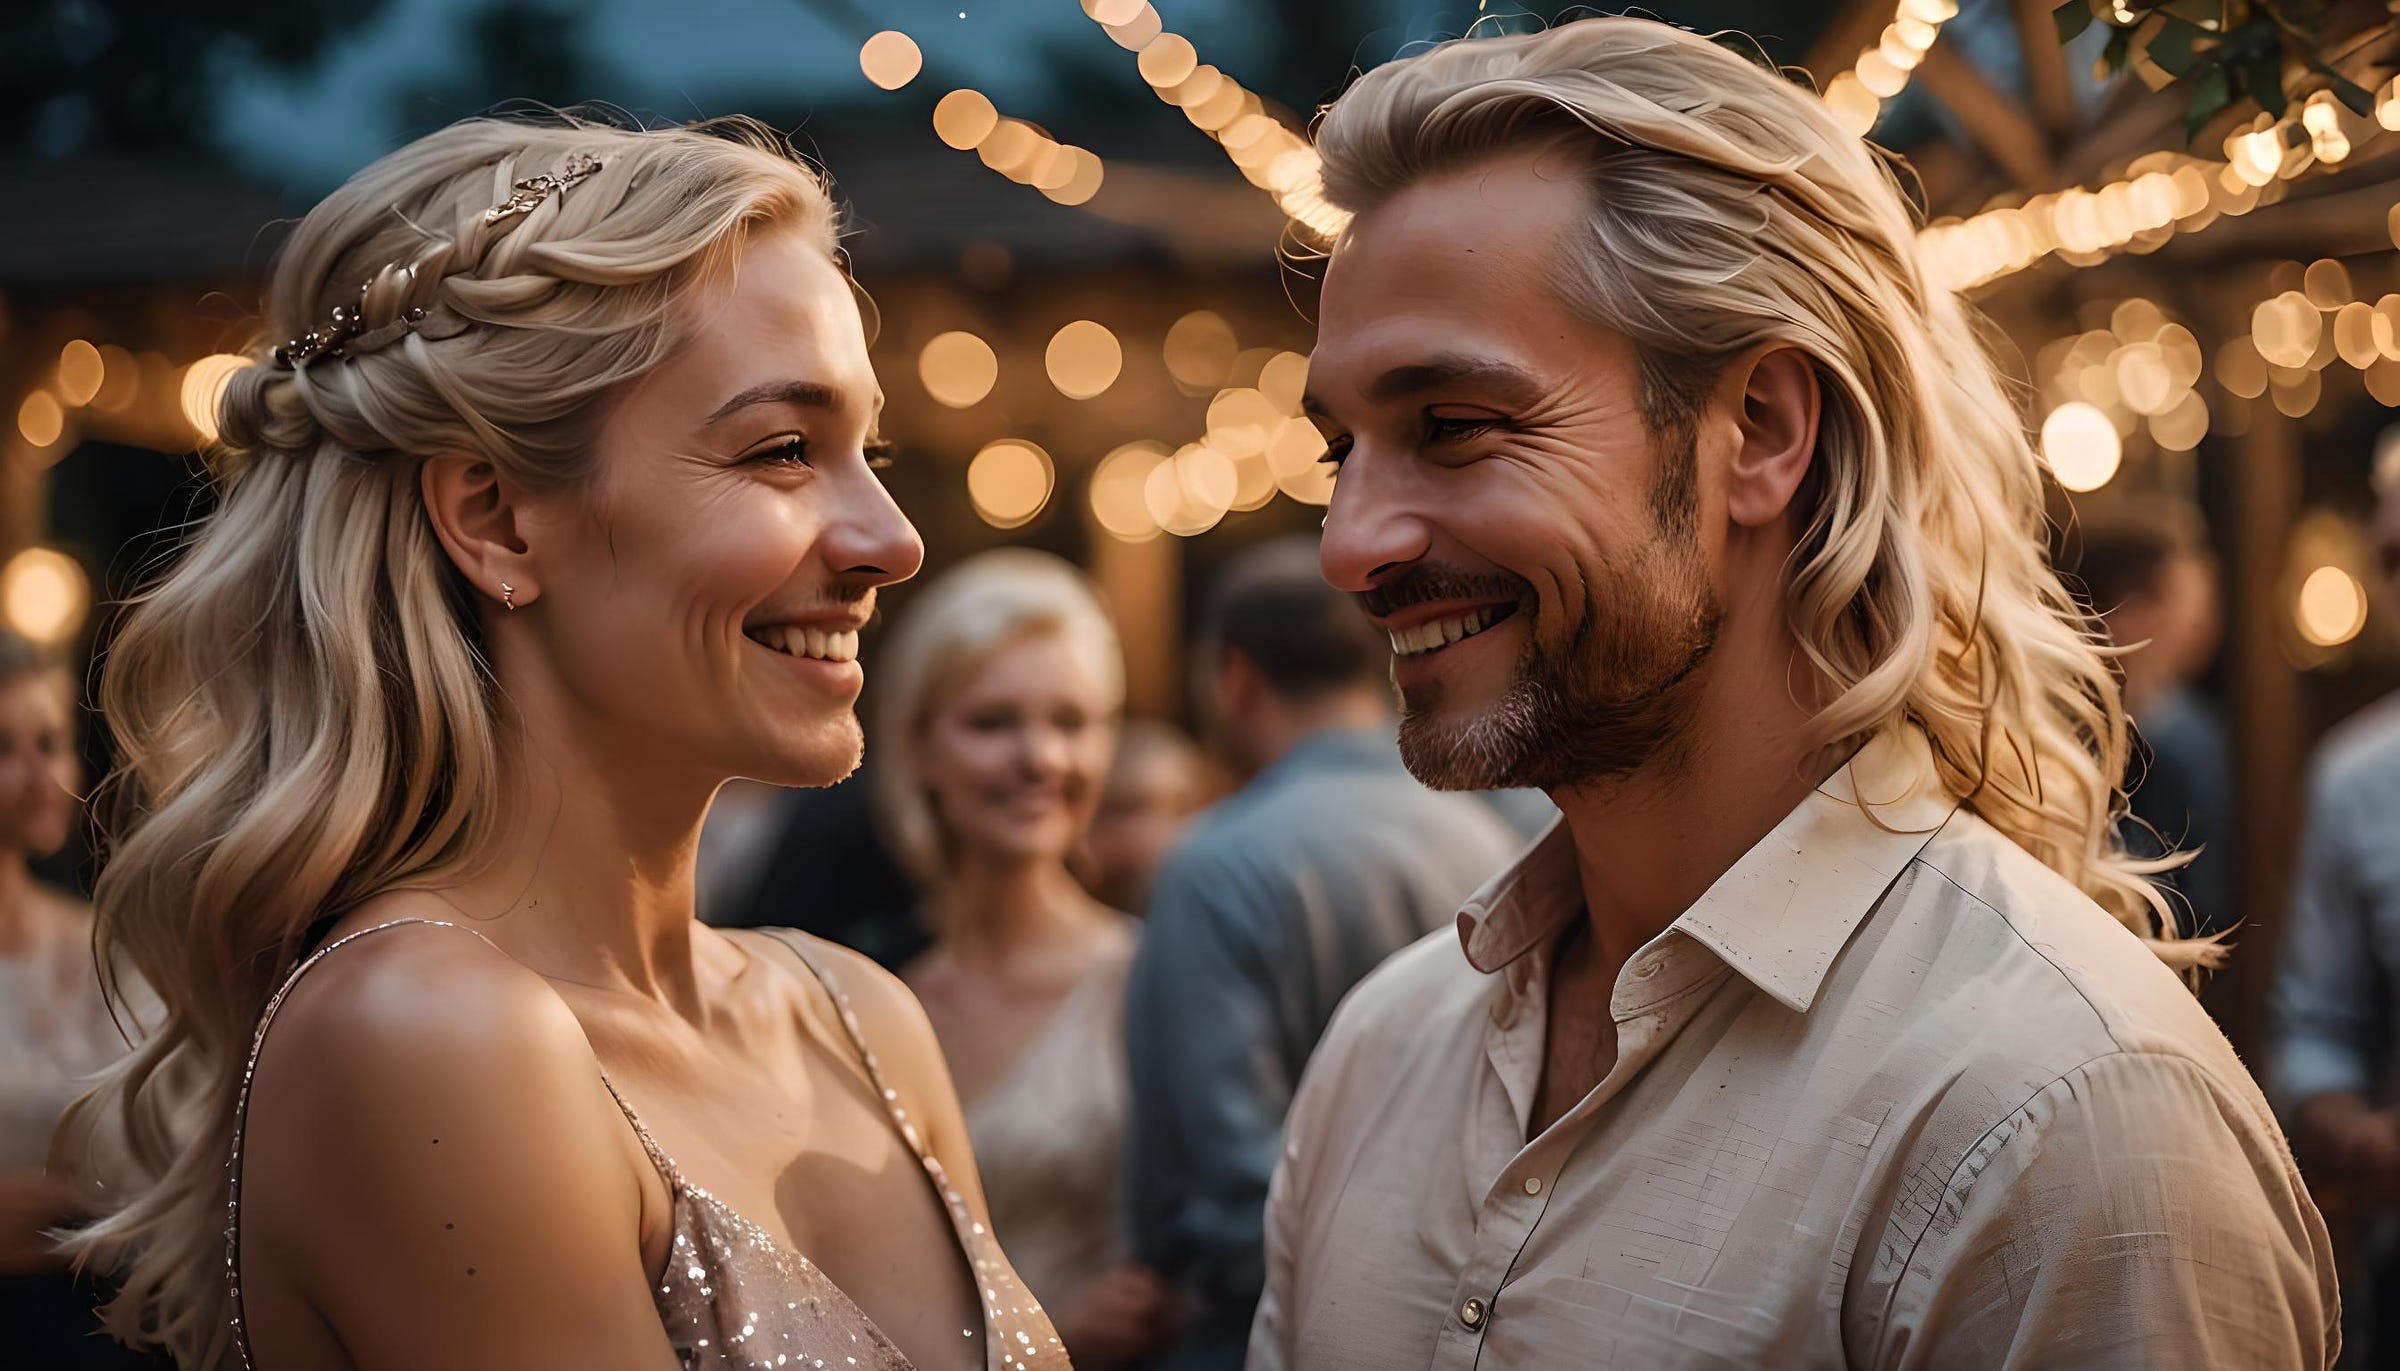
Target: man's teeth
<point>1425,637</point>
<point>822,644</point>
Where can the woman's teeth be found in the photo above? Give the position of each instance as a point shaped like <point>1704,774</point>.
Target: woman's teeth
<point>793,641</point>
<point>1425,637</point>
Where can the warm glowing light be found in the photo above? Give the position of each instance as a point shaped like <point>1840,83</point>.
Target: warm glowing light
<point>2142,378</point>
<point>2354,334</point>
<point>1136,34</point>
<point>2332,607</point>
<point>1851,102</point>
<point>1011,148</point>
<point>2136,320</point>
<point>890,59</point>
<point>1083,359</point>
<point>120,380</point>
<point>2240,369</point>
<point>2286,329</point>
<point>1114,11</point>
<point>2294,398</point>
<point>1242,420</point>
<point>964,118</point>
<point>2080,446</point>
<point>1294,453</point>
<point>1082,180</point>
<point>80,372</point>
<point>1117,496</point>
<point>1283,380</point>
<point>1010,481</point>
<point>44,595</point>
<point>2326,284</point>
<point>1189,492</point>
<point>2183,425</point>
<point>2383,382</point>
<point>958,369</point>
<point>203,386</point>
<point>41,419</point>
<point>1168,60</point>
<point>1200,349</point>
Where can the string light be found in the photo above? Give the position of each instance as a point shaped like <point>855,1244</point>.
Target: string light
<point>2331,607</point>
<point>958,369</point>
<point>1009,482</point>
<point>1270,156</point>
<point>1118,490</point>
<point>1083,359</point>
<point>40,420</point>
<point>44,595</point>
<point>890,59</point>
<point>1856,96</point>
<point>1022,152</point>
<point>80,372</point>
<point>203,386</point>
<point>2080,446</point>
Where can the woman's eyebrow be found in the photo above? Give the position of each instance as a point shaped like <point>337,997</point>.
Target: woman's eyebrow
<point>811,394</point>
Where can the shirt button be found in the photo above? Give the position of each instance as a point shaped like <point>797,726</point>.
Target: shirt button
<point>1471,1313</point>
<point>1533,1185</point>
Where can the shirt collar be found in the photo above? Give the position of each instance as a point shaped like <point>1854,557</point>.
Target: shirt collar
<point>1781,913</point>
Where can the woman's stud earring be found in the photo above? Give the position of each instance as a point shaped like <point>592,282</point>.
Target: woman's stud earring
<point>508,595</point>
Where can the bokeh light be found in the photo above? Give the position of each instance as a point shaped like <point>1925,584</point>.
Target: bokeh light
<point>80,372</point>
<point>40,419</point>
<point>2331,608</point>
<point>958,369</point>
<point>203,386</point>
<point>1200,349</point>
<point>1168,60</point>
<point>1010,482</point>
<point>1118,499</point>
<point>964,118</point>
<point>1083,359</point>
<point>44,595</point>
<point>890,59</point>
<point>2080,446</point>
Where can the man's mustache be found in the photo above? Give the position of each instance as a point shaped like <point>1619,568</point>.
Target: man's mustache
<point>1432,581</point>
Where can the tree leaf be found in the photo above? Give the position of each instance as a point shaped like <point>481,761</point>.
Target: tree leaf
<point>2211,93</point>
<point>2072,19</point>
<point>2171,46</point>
<point>2262,80</point>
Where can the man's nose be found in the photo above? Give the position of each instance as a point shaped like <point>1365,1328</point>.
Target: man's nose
<point>1371,528</point>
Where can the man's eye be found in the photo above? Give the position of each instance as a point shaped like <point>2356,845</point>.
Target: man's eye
<point>788,452</point>
<point>1336,449</point>
<point>1451,429</point>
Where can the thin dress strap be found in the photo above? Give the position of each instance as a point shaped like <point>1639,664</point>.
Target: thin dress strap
<point>241,1118</point>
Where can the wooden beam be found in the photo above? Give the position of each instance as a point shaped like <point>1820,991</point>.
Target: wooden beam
<point>1997,123</point>
<point>2046,83</point>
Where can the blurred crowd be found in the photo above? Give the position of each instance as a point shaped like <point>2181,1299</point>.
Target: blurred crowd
<point>1128,939</point>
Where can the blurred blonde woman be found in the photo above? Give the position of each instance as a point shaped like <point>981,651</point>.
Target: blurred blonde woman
<point>554,510</point>
<point>996,718</point>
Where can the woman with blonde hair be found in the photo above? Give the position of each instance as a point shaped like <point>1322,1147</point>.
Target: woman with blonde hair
<point>555,510</point>
<point>995,721</point>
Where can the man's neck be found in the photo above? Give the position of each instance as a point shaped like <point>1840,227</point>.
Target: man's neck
<point>1649,844</point>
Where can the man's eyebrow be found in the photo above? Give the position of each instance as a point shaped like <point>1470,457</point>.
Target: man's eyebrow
<point>810,394</point>
<point>1416,378</point>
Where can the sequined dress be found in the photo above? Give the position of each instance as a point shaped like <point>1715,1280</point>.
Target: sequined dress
<point>733,1296</point>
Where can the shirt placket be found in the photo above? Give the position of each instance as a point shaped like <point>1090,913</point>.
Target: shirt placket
<point>1652,1001</point>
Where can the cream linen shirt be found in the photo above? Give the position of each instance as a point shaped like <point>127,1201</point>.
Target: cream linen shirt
<point>1891,1094</point>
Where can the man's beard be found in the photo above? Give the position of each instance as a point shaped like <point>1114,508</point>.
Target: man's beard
<point>1616,696</point>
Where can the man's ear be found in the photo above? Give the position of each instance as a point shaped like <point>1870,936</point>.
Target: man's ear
<point>1778,426</point>
<point>475,515</point>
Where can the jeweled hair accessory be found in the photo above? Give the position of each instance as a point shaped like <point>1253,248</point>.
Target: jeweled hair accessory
<point>527,195</point>
<point>346,332</point>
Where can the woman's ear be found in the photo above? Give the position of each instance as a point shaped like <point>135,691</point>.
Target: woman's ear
<point>1778,424</point>
<point>475,515</point>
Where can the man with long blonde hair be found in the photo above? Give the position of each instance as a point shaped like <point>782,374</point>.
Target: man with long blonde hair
<point>1832,1026</point>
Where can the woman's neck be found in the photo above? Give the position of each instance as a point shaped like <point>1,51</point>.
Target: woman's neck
<point>989,909</point>
<point>590,877</point>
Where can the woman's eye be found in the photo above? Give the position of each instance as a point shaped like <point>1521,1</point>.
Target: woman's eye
<point>785,452</point>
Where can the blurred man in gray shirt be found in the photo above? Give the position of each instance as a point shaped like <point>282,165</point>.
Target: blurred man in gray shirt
<point>2336,1015</point>
<point>1330,858</point>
